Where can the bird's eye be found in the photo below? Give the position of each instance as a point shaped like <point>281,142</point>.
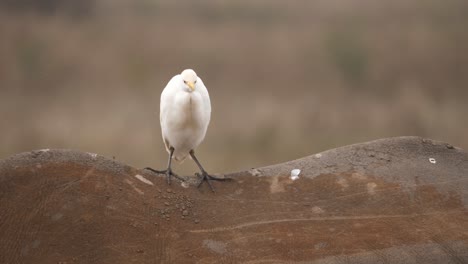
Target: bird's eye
<point>195,81</point>
<point>185,81</point>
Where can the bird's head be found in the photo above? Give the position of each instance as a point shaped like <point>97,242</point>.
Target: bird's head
<point>189,77</point>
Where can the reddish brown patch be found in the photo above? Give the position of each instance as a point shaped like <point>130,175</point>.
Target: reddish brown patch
<point>102,218</point>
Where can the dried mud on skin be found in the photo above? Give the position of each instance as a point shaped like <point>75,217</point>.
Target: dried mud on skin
<point>383,201</point>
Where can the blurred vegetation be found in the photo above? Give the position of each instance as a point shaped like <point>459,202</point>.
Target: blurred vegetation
<point>49,7</point>
<point>349,57</point>
<point>287,79</point>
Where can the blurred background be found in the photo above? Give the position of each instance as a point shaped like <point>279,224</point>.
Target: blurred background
<point>286,78</point>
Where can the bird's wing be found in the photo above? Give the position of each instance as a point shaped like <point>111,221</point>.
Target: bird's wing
<point>206,98</point>
<point>167,97</point>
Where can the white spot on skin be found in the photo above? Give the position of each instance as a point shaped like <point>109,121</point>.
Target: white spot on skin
<point>320,245</point>
<point>318,156</point>
<point>371,188</point>
<point>215,246</point>
<point>135,188</point>
<point>317,210</point>
<point>143,179</point>
<point>432,160</point>
<point>93,155</point>
<point>358,176</point>
<point>276,186</point>
<point>255,172</point>
<point>295,174</point>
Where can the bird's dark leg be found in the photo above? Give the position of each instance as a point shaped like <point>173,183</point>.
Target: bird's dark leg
<point>168,171</point>
<point>205,176</point>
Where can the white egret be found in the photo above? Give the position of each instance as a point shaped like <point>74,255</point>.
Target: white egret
<point>185,113</point>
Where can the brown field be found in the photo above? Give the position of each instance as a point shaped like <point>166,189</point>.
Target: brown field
<point>287,78</point>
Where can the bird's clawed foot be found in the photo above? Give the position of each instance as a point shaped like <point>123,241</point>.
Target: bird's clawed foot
<point>169,173</point>
<point>206,177</point>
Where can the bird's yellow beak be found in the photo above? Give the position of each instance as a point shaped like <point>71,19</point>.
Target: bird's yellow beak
<point>191,85</point>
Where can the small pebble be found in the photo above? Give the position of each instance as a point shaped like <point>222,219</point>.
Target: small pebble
<point>197,221</point>
<point>169,190</point>
<point>166,204</point>
<point>295,174</point>
<point>185,213</point>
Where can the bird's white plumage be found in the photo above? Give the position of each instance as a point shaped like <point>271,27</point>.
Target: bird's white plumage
<point>185,113</point>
